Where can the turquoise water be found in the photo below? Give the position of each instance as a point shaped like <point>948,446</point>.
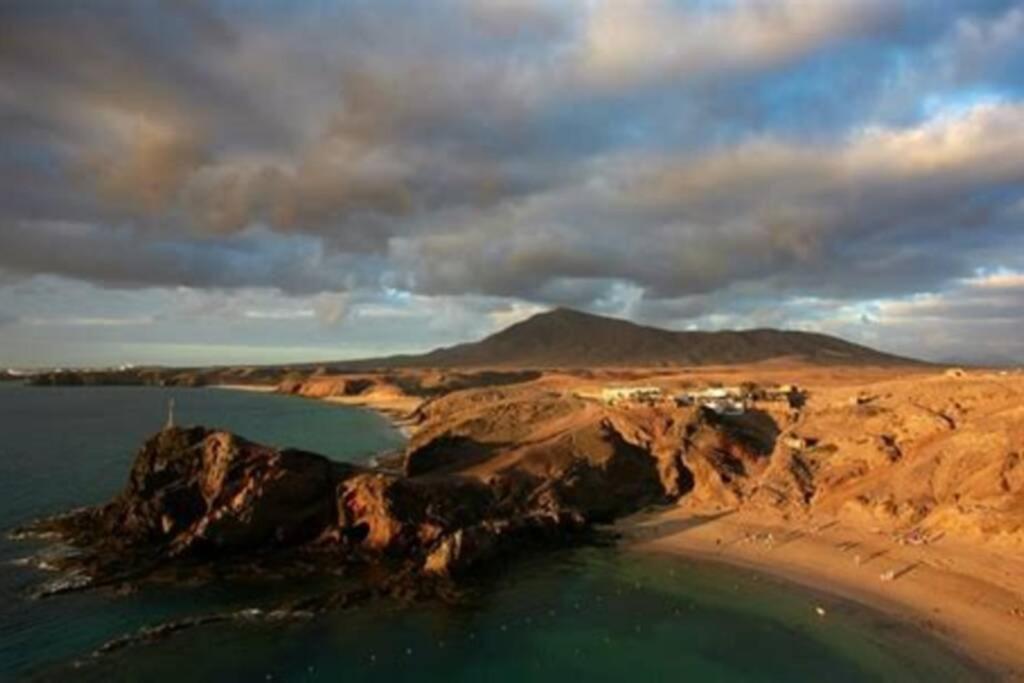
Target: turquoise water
<point>594,613</point>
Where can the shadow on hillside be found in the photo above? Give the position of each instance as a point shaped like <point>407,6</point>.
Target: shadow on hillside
<point>670,527</point>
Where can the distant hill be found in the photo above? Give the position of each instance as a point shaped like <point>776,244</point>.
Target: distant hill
<point>573,339</point>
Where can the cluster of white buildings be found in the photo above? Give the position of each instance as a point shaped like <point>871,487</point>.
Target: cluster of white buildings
<point>613,395</point>
<point>723,400</point>
<point>20,372</point>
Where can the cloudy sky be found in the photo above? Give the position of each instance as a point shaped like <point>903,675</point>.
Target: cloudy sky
<point>262,181</point>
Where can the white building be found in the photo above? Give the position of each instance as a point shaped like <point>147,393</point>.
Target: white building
<point>620,394</point>
<point>722,400</point>
<point>725,406</point>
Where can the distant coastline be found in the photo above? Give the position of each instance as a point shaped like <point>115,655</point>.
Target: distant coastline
<point>254,388</point>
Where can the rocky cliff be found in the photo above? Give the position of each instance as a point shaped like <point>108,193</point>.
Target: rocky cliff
<point>198,496</point>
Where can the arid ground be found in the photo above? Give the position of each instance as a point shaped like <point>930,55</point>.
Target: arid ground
<point>900,487</point>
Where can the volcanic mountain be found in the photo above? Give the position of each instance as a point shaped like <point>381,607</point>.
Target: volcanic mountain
<point>565,338</point>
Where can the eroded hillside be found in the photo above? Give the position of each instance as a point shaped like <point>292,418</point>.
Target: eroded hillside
<point>928,452</point>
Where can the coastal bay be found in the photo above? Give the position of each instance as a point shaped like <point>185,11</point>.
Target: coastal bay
<point>496,341</point>
<point>967,593</point>
<point>968,597</point>
<point>959,580</point>
<point>597,591</point>
<point>69,447</point>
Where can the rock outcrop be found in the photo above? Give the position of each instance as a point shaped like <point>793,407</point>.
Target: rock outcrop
<point>196,495</point>
<point>202,490</point>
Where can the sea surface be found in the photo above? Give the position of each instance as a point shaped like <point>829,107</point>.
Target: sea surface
<point>590,614</point>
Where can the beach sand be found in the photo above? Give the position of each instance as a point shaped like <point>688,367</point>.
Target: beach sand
<point>970,596</point>
<point>257,388</point>
<point>397,410</point>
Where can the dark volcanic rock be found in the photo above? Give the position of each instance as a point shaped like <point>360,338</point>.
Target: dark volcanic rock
<point>389,514</point>
<point>201,490</point>
<point>193,488</point>
<point>196,495</point>
<point>465,548</point>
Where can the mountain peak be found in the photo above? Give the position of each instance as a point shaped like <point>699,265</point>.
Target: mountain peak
<point>561,313</point>
<point>569,338</point>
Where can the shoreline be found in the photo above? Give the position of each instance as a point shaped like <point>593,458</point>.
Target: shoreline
<point>254,388</point>
<point>397,412</point>
<point>970,597</point>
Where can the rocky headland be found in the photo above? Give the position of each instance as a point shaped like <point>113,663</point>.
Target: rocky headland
<point>882,482</point>
<point>492,461</point>
<point>199,498</point>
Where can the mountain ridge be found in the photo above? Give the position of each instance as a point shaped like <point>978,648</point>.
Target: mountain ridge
<point>568,338</point>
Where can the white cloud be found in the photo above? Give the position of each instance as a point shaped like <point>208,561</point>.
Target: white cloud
<point>281,314</point>
<point>632,41</point>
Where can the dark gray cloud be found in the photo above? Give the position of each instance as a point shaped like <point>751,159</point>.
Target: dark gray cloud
<point>880,213</point>
<point>121,258</point>
<point>674,160</point>
<point>975,320</point>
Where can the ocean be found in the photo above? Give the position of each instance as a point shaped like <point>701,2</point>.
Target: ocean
<point>591,614</point>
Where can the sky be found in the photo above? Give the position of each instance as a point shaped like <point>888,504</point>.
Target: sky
<point>227,181</point>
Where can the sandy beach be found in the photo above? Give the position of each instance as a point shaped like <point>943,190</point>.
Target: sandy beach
<point>396,410</point>
<point>257,388</point>
<point>970,596</point>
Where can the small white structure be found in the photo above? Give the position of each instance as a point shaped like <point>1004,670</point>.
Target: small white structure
<point>722,400</point>
<point>612,395</point>
<point>715,393</point>
<point>795,442</point>
<point>725,406</point>
<point>170,415</point>
<point>780,391</point>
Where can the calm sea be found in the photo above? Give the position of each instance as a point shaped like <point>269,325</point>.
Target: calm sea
<point>590,614</point>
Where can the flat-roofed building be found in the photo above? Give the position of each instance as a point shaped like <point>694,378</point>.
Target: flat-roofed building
<point>629,394</point>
